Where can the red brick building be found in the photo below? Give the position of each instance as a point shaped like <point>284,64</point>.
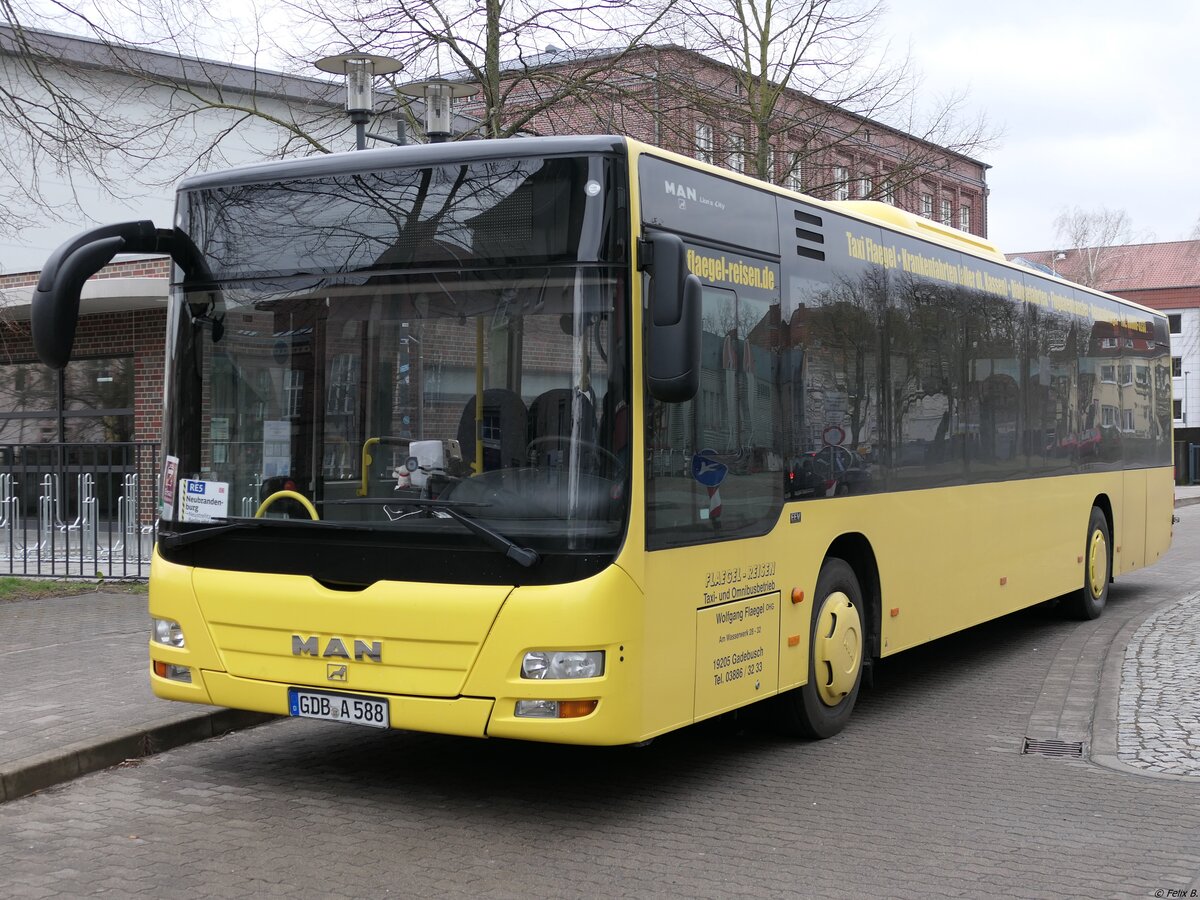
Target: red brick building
<point>683,101</point>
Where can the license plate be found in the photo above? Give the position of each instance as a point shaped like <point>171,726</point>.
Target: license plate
<point>352,708</point>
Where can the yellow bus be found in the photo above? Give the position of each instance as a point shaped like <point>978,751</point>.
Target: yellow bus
<point>576,440</point>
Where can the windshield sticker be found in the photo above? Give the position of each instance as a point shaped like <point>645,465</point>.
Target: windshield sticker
<point>167,499</point>
<point>203,501</point>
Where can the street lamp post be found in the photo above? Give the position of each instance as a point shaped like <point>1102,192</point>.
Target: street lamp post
<point>438,94</point>
<point>360,70</point>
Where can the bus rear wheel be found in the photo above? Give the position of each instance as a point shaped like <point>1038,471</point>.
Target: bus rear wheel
<point>1088,602</point>
<point>821,708</point>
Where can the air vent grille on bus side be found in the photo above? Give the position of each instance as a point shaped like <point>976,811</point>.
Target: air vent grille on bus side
<point>811,237</point>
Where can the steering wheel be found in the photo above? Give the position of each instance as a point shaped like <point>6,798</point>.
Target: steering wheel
<point>599,454</point>
<point>286,495</point>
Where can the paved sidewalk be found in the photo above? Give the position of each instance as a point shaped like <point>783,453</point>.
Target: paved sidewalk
<point>1187,494</point>
<point>75,695</point>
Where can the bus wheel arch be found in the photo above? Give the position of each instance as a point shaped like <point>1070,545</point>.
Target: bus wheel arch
<point>856,550</point>
<point>841,642</point>
<point>1090,598</point>
<point>1104,504</point>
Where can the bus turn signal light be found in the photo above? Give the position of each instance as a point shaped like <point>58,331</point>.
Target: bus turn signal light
<point>172,672</point>
<point>797,595</point>
<point>793,640</point>
<point>575,709</point>
<point>554,709</point>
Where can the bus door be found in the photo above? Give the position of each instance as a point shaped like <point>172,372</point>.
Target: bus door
<point>714,490</point>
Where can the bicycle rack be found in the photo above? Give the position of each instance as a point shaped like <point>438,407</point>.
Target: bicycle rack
<point>11,539</point>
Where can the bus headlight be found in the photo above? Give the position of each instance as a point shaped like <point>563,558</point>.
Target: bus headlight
<point>543,664</point>
<point>168,631</point>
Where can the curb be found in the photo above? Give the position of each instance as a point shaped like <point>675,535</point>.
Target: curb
<point>1187,501</point>
<point>58,766</point>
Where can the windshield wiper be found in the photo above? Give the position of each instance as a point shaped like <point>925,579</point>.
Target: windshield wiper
<point>525,556</point>
<point>180,538</point>
<point>172,539</point>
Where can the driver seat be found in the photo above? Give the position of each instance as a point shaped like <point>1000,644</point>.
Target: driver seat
<point>505,424</point>
<point>550,424</point>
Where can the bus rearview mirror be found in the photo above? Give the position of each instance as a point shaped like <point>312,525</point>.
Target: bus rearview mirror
<point>55,305</point>
<point>672,320</point>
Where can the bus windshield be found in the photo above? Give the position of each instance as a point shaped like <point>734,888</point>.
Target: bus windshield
<point>399,350</point>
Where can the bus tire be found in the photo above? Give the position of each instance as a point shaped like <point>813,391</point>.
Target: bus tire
<point>1088,602</point>
<point>821,708</point>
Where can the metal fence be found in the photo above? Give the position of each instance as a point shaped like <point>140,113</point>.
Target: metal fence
<point>78,510</point>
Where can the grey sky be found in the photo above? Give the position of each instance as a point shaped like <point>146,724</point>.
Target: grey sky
<point>1097,101</point>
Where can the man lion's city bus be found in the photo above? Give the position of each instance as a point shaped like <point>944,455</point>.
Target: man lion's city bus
<point>572,439</point>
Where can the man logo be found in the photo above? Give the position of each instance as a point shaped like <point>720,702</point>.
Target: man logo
<point>335,673</point>
<point>335,648</point>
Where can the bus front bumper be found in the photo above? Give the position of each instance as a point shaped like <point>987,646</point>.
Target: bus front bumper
<point>460,716</point>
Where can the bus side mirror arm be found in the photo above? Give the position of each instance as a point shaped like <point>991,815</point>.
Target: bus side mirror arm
<point>55,306</point>
<point>673,326</point>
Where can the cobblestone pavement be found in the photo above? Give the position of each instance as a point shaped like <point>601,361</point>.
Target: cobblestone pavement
<point>1159,727</point>
<point>74,693</point>
<point>926,794</point>
<point>87,634</point>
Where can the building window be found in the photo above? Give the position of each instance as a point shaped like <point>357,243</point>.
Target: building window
<point>1108,374</point>
<point>343,387</point>
<point>888,191</point>
<point>704,143</point>
<point>927,205</point>
<point>1125,374</point>
<point>947,214</point>
<point>737,153</point>
<point>841,183</point>
<point>1177,409</point>
<point>1176,322</point>
<point>864,186</point>
<point>1177,366</point>
<point>293,393</point>
<point>1108,416</point>
<point>771,177</point>
<point>98,395</point>
<point>964,217</point>
<point>1127,420</point>
<point>794,179</point>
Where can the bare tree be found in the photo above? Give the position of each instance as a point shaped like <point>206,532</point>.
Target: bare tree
<point>1089,242</point>
<point>802,68</point>
<point>813,75</point>
<point>43,124</point>
<point>136,100</point>
<point>514,50</point>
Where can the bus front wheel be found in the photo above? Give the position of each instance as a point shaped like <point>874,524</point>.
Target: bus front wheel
<point>822,707</point>
<point>1088,602</point>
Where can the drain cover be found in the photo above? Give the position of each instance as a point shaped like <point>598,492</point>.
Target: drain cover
<point>1053,748</point>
